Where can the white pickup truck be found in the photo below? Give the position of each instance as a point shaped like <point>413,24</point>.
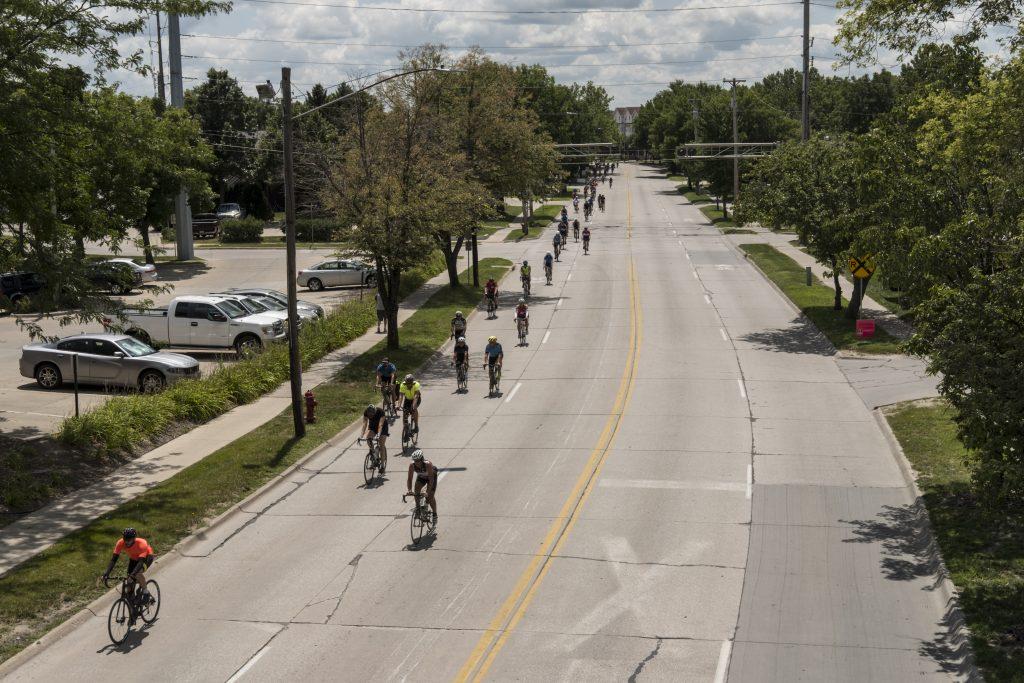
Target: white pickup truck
<point>202,321</point>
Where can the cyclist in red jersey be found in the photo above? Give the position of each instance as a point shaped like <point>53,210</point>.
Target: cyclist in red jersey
<point>140,558</point>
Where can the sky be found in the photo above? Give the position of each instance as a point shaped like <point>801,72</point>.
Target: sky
<point>633,54</point>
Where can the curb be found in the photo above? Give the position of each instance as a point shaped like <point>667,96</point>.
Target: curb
<point>944,586</point>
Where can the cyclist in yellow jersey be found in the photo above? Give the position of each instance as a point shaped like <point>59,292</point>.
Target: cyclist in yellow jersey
<point>412,398</point>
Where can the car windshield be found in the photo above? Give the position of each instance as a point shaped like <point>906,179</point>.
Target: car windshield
<point>231,309</point>
<point>224,208</point>
<point>271,303</point>
<point>254,305</point>
<point>135,348</point>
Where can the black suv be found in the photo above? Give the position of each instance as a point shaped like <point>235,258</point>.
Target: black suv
<point>17,287</point>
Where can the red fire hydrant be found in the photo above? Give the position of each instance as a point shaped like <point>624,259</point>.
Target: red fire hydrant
<point>311,405</point>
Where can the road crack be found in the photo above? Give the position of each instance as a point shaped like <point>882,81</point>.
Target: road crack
<point>643,662</point>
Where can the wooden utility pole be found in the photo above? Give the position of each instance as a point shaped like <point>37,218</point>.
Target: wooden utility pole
<point>160,62</point>
<point>805,106</point>
<point>294,360</point>
<point>735,140</point>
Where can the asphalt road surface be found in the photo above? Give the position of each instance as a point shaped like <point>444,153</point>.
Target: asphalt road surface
<point>26,409</point>
<point>677,483</point>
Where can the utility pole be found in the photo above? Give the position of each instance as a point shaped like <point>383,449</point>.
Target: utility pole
<point>160,62</point>
<point>182,214</point>
<point>695,103</point>
<point>735,142</point>
<point>805,107</point>
<point>294,361</point>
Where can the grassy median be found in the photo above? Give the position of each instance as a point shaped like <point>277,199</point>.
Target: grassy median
<point>816,302</point>
<point>42,592</point>
<point>984,554</point>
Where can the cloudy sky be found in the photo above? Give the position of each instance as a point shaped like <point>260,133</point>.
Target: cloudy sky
<point>632,53</point>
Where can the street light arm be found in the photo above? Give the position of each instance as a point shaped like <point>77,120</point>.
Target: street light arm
<point>373,85</point>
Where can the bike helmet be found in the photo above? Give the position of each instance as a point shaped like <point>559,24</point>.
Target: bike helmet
<point>410,378</point>
<point>492,339</point>
<point>461,340</point>
<point>458,314</point>
<point>525,263</point>
<point>417,455</point>
<point>129,534</point>
<point>370,408</point>
<point>548,254</point>
<point>522,300</point>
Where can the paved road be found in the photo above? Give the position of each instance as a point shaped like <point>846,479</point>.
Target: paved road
<point>676,484</point>
<point>26,410</point>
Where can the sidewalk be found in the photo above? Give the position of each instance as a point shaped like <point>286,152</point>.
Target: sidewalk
<point>39,530</point>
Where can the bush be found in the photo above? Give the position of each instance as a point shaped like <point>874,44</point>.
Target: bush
<point>318,230</point>
<point>243,230</point>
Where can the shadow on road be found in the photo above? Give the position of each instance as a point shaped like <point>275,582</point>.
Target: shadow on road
<point>800,337</point>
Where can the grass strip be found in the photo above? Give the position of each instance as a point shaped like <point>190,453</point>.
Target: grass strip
<point>42,592</point>
<point>267,242</point>
<point>696,197</point>
<point>816,302</point>
<point>717,217</point>
<point>984,555</point>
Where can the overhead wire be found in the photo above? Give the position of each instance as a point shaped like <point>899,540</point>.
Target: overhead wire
<point>546,66</point>
<point>594,10</point>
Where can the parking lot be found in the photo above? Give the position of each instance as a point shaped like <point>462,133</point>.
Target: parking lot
<point>27,410</point>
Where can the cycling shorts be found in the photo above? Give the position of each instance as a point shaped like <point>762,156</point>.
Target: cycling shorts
<point>425,481</point>
<point>410,403</point>
<point>380,429</point>
<point>141,564</point>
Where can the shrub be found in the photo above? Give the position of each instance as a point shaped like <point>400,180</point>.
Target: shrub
<point>318,230</point>
<point>243,230</point>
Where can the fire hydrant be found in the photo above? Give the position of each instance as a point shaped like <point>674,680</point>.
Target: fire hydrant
<point>311,405</point>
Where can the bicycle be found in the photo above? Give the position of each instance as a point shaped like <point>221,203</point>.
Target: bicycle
<point>494,378</point>
<point>421,518</point>
<point>462,375</point>
<point>547,274</point>
<point>492,306</point>
<point>387,401</point>
<point>526,286</point>
<point>586,247</point>
<point>522,325</point>
<point>409,434</point>
<point>374,460</point>
<point>558,251</point>
<point>576,233</point>
<point>130,606</point>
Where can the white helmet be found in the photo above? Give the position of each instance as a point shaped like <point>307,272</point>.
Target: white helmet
<point>417,455</point>
<point>461,340</point>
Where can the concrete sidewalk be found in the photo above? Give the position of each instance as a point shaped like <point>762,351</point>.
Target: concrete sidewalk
<point>39,530</point>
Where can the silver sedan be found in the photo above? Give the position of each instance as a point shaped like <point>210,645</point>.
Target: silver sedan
<point>337,273</point>
<point>109,360</point>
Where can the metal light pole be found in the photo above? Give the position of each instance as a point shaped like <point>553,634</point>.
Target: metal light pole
<point>294,360</point>
<point>735,141</point>
<point>182,214</point>
<point>805,107</point>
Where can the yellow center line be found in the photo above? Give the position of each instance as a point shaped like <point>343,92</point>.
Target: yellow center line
<point>515,605</point>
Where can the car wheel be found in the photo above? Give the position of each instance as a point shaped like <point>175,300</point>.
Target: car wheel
<point>371,280</point>
<point>48,376</point>
<point>151,382</point>
<point>248,344</point>
<point>139,335</point>
<point>125,290</point>
<point>315,285</point>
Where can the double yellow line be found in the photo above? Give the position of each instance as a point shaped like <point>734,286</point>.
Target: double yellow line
<point>514,608</point>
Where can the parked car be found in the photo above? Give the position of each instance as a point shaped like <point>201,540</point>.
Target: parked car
<point>16,288</point>
<point>256,303</point>
<point>113,360</point>
<point>113,276</point>
<point>279,297</point>
<point>337,273</point>
<point>202,321</point>
<point>205,225</point>
<point>230,211</point>
<point>146,270</point>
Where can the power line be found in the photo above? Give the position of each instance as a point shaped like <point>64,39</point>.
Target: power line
<point>490,47</point>
<point>546,66</point>
<point>433,10</point>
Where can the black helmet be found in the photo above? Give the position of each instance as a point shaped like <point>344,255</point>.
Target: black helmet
<point>129,534</point>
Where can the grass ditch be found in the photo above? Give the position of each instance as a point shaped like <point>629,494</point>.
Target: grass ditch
<point>984,555</point>
<point>52,586</point>
<point>816,302</point>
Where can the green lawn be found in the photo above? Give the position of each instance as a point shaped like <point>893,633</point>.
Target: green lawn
<point>984,554</point>
<point>716,217</point>
<point>816,302</point>
<point>488,228</point>
<point>58,582</point>
<point>892,299</point>
<point>516,234</point>
<point>697,197</point>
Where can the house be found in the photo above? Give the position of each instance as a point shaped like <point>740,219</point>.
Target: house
<point>624,117</point>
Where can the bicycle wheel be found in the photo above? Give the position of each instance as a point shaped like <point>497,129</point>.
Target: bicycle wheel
<point>149,612</point>
<point>382,461</point>
<point>118,621</point>
<point>416,525</point>
<point>406,433</point>
<point>368,467</point>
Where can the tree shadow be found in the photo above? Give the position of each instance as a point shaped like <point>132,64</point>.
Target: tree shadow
<point>800,337</point>
<point>176,271</point>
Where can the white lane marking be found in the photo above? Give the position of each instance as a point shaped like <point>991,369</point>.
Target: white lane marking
<point>687,254</point>
<point>695,275</point>
<point>546,335</point>
<point>674,232</point>
<point>750,481</point>
<point>675,484</point>
<point>721,331</point>
<point>558,304</point>
<point>722,671</point>
<point>707,299</point>
<point>743,389</point>
<point>441,476</point>
<point>248,665</point>
<point>569,277</point>
<point>512,393</point>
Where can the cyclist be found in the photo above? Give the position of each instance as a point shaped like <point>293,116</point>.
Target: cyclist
<point>523,315</point>
<point>549,263</point>
<point>491,292</point>
<point>375,423</point>
<point>413,397</point>
<point>493,355</point>
<point>576,229</point>
<point>426,475</point>
<point>140,558</point>
<point>563,230</point>
<point>611,181</point>
<point>586,239</point>
<point>564,215</point>
<point>524,275</point>
<point>557,242</point>
<point>386,375</point>
<point>576,204</point>
<point>460,353</point>
<point>458,325</point>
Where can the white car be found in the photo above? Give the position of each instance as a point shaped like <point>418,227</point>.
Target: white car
<point>146,270</point>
